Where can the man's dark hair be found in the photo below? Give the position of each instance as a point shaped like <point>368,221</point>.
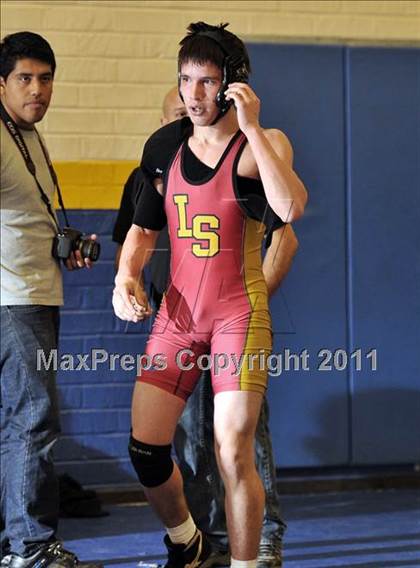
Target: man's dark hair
<point>201,48</point>
<point>24,45</point>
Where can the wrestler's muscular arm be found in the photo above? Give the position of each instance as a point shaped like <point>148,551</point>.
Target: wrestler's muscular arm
<point>284,190</point>
<point>283,247</point>
<point>129,297</point>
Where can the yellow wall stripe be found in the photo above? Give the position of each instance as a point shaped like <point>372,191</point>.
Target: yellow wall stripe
<point>93,184</point>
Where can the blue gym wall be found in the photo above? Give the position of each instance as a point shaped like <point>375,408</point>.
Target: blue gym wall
<point>352,115</point>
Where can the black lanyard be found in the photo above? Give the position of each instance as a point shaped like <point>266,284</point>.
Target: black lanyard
<point>14,131</point>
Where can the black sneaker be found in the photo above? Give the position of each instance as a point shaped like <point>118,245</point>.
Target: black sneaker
<point>51,556</point>
<point>269,556</point>
<point>196,553</point>
<point>218,558</point>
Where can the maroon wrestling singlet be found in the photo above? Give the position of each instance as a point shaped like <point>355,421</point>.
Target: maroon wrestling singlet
<point>215,310</point>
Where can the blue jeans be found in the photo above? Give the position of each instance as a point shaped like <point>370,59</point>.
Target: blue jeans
<point>29,428</point>
<point>194,447</point>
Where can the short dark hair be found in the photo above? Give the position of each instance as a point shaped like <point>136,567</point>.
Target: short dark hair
<point>201,48</point>
<point>23,45</point>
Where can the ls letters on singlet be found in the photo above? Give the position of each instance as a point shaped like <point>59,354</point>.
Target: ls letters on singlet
<point>198,229</point>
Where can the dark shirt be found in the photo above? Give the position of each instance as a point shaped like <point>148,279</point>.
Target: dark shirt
<point>159,263</point>
<point>131,193</point>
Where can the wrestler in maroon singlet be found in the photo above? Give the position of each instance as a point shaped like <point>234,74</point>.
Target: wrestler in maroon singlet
<point>216,301</point>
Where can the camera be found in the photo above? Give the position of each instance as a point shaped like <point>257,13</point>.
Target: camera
<point>71,240</point>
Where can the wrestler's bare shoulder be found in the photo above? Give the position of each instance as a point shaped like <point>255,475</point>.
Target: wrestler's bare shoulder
<point>280,143</point>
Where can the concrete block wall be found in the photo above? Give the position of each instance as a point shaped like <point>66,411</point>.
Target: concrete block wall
<point>116,61</point>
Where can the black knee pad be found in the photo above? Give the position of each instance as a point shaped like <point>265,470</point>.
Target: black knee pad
<point>153,464</point>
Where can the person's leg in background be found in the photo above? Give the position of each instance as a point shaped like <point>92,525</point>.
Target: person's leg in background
<point>270,552</point>
<point>30,417</point>
<point>4,539</point>
<point>31,425</point>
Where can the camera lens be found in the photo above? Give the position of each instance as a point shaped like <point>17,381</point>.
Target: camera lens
<point>89,249</point>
